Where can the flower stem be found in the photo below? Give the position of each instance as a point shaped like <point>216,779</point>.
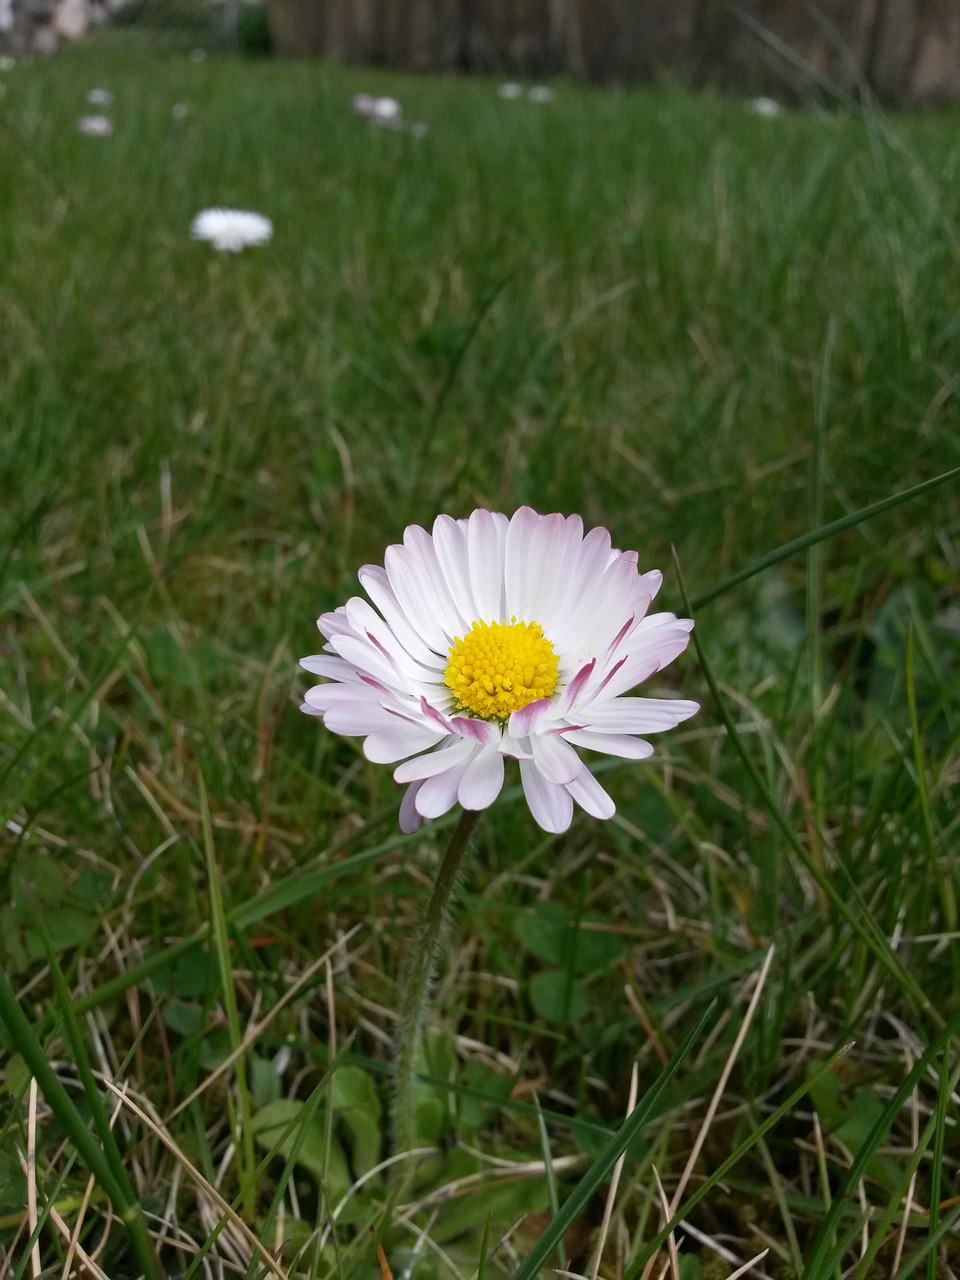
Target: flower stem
<point>417,978</point>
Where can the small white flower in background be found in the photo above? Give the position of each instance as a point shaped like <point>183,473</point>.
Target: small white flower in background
<point>382,111</point>
<point>493,637</point>
<point>510,90</point>
<point>100,97</point>
<point>540,93</point>
<point>231,229</point>
<point>198,55</point>
<point>7,63</point>
<point>420,129</point>
<point>95,126</point>
<point>768,107</point>
<point>179,111</point>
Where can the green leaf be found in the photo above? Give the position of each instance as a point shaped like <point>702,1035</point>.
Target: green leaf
<point>357,1108</point>
<point>556,997</point>
<point>269,1125</point>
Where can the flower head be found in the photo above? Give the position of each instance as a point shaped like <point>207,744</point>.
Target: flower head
<point>95,126</point>
<point>768,107</point>
<point>99,97</point>
<point>383,111</point>
<point>494,637</point>
<point>540,93</point>
<point>510,90</point>
<point>231,229</point>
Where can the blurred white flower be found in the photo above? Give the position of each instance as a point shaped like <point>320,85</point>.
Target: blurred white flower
<point>540,93</point>
<point>198,55</point>
<point>768,107</point>
<point>231,229</point>
<point>382,111</point>
<point>95,126</point>
<point>179,111</point>
<point>420,129</point>
<point>511,90</point>
<point>7,63</point>
<point>100,97</point>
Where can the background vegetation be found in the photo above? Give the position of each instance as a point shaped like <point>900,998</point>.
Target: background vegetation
<point>708,330</point>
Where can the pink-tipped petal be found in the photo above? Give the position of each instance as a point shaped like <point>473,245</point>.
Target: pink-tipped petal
<point>396,741</point>
<point>409,818</point>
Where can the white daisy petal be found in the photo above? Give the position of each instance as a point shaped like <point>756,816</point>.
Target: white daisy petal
<point>496,637</point>
<point>638,715</point>
<point>610,744</point>
<point>556,760</point>
<point>377,586</point>
<point>550,804</point>
<point>438,795</point>
<point>409,818</point>
<point>451,754</point>
<point>486,536</point>
<point>396,741</point>
<point>589,795</point>
<point>450,541</point>
<point>482,780</point>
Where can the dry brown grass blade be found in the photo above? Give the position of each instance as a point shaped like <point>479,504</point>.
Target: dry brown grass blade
<point>31,1172</point>
<point>157,1128</point>
<point>615,1180</point>
<point>258,1028</point>
<point>715,1099</point>
<point>672,1256</point>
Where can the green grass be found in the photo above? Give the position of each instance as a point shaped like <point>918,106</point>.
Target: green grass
<point>710,332</point>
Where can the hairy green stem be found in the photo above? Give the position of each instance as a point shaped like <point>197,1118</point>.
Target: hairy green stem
<point>417,978</point>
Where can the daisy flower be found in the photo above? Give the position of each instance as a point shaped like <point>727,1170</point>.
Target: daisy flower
<point>231,229</point>
<point>540,93</point>
<point>382,111</point>
<point>768,107</point>
<point>510,90</point>
<point>99,97</point>
<point>496,637</point>
<point>95,126</point>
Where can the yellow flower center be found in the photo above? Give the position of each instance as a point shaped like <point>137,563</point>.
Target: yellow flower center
<point>498,667</point>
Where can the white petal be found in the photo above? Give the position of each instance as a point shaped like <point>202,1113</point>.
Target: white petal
<point>438,794</point>
<point>539,555</point>
<point>409,818</point>
<point>637,715</point>
<point>610,744</point>
<point>551,805</point>
<point>529,719</point>
<point>486,535</point>
<point>377,586</point>
<point>366,657</point>
<point>452,752</point>
<point>421,592</point>
<point>573,606</point>
<point>368,624</point>
<point>557,761</point>
<point>396,741</point>
<point>589,795</point>
<point>654,644</point>
<point>450,544</point>
<point>483,779</point>
<point>325,664</point>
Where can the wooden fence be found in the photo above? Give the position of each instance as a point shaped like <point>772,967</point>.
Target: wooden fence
<point>907,50</point>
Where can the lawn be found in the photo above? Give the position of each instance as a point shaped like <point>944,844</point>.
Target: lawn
<point>715,334</point>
